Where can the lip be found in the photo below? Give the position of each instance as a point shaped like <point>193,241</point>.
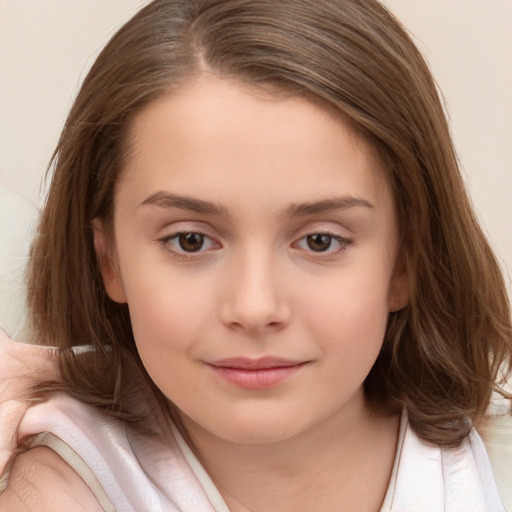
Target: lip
<point>262,373</point>
<point>261,363</point>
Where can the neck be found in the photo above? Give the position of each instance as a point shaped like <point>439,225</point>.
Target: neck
<point>344,463</point>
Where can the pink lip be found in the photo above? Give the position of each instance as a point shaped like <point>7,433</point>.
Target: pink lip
<point>265,372</point>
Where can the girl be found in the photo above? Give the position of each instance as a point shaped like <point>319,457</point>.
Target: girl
<point>258,278</point>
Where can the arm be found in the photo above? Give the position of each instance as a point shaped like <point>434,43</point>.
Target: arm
<point>40,481</point>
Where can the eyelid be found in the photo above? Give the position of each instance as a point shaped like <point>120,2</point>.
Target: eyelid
<point>173,233</point>
<point>343,241</point>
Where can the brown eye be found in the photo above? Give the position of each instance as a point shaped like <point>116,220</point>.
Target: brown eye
<point>319,242</point>
<point>191,242</point>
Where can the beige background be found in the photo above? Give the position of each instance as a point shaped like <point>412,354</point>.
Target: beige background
<point>46,47</point>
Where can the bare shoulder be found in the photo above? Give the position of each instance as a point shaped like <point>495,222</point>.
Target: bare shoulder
<point>41,481</point>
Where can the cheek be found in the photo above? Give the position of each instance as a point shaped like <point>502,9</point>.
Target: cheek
<point>166,311</point>
<point>165,327</point>
<point>350,315</point>
<point>169,313</point>
<point>350,341</point>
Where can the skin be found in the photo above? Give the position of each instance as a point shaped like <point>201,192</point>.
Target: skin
<point>265,179</point>
<point>40,481</point>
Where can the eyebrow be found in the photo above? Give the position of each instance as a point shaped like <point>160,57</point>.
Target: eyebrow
<point>165,200</point>
<point>327,205</point>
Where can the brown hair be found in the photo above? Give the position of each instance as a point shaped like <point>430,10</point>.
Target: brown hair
<point>442,352</point>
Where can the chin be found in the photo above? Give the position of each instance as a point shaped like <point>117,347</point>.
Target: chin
<point>253,428</point>
<point>236,426</point>
<point>257,434</point>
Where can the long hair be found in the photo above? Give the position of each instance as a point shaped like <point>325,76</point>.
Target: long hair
<point>442,352</point>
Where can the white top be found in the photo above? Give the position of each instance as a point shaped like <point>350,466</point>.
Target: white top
<point>157,471</point>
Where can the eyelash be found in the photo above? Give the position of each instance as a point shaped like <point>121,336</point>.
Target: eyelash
<point>183,255</point>
<point>344,244</point>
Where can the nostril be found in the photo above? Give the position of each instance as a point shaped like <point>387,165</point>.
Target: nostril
<point>253,319</point>
<point>253,302</point>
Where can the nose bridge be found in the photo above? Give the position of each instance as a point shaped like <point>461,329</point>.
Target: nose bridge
<point>253,299</point>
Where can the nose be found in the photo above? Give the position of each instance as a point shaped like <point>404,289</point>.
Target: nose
<point>253,300</point>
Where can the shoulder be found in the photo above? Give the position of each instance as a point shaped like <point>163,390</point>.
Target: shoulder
<point>41,481</point>
<point>429,477</point>
<point>496,432</point>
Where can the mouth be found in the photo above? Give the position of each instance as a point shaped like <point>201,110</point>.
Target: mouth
<point>262,373</point>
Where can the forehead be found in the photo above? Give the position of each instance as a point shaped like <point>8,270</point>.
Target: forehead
<point>216,136</point>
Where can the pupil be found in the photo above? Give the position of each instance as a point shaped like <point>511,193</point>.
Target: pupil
<point>191,242</point>
<point>319,242</point>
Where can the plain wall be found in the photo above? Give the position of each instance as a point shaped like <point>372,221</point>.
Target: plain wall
<point>47,46</point>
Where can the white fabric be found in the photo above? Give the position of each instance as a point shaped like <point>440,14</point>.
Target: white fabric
<point>137,472</point>
<point>74,461</point>
<point>159,473</point>
<point>209,488</point>
<point>496,432</point>
<point>18,218</point>
<point>427,478</point>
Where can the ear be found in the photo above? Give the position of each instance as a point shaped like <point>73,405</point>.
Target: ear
<point>107,263</point>
<point>399,291</point>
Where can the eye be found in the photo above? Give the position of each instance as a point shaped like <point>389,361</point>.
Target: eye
<point>323,243</point>
<point>319,242</point>
<point>188,242</point>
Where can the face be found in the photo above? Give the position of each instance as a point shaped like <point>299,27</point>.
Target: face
<point>255,243</point>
